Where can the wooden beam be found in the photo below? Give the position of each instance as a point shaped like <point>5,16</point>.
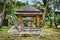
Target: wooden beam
<point>19,20</point>
<point>30,15</point>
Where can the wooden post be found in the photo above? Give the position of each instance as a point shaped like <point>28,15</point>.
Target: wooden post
<point>37,21</point>
<point>19,18</point>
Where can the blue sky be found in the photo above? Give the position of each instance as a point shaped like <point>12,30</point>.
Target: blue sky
<point>29,1</point>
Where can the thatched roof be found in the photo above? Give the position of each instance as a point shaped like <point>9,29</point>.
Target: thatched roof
<point>28,9</point>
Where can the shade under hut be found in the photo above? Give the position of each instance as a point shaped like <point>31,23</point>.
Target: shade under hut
<point>28,19</point>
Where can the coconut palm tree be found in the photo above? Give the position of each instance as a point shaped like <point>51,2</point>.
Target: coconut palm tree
<point>45,8</point>
<point>53,15</point>
<point>52,4</point>
<point>41,7</point>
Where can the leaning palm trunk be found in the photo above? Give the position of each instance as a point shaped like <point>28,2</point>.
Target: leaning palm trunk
<point>5,21</point>
<point>44,18</point>
<point>3,13</point>
<point>4,9</point>
<point>45,11</point>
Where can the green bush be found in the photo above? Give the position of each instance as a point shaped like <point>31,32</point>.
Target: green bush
<point>58,19</point>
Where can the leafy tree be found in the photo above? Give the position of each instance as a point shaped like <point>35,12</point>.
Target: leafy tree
<point>9,7</point>
<point>53,2</point>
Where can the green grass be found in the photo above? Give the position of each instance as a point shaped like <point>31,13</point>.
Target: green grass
<point>51,34</point>
<point>4,28</point>
<point>51,29</point>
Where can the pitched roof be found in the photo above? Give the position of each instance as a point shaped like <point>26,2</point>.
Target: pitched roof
<point>27,8</point>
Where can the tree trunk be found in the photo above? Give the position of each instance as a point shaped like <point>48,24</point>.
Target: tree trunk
<point>5,21</point>
<point>45,4</point>
<point>43,19</point>
<point>4,10</point>
<point>3,13</point>
<point>53,15</point>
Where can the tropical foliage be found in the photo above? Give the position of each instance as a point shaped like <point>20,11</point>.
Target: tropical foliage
<point>47,8</point>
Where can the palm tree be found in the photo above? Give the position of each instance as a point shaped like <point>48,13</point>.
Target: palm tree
<point>52,2</point>
<point>4,9</point>
<point>45,8</point>
<point>41,7</point>
<point>5,21</point>
<point>53,15</point>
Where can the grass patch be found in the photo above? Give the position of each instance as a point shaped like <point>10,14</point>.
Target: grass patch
<point>51,29</point>
<point>4,28</point>
<point>4,35</point>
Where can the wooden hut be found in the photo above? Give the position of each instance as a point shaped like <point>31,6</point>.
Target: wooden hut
<point>29,11</point>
